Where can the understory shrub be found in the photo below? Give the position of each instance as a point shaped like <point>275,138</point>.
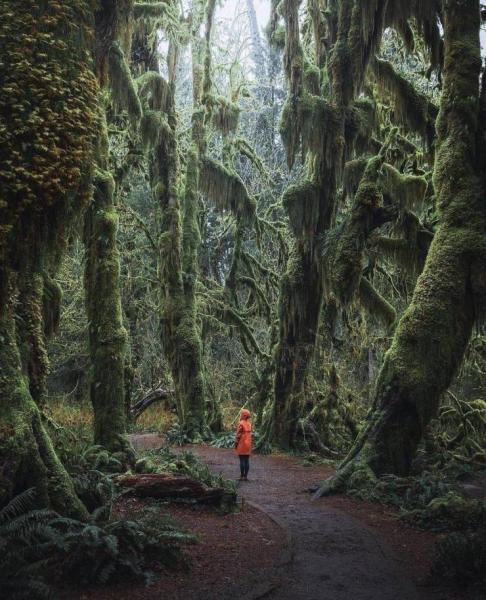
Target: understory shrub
<point>461,557</point>
<point>40,550</point>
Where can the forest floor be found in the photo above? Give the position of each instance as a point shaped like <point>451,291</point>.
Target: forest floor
<point>282,545</point>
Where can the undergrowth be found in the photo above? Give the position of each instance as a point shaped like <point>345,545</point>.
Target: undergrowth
<point>41,551</point>
<point>435,500</point>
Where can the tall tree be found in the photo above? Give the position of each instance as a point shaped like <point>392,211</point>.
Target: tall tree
<point>49,119</point>
<point>450,295</point>
<point>108,337</point>
<point>318,124</point>
<point>179,237</point>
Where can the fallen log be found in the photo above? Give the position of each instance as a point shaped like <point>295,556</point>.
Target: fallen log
<point>154,396</point>
<point>160,485</point>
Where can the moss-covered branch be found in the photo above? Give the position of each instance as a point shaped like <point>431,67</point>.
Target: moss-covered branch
<point>154,92</point>
<point>375,304</point>
<point>406,191</point>
<point>122,87</point>
<point>412,108</point>
<point>154,11</point>
<point>226,189</point>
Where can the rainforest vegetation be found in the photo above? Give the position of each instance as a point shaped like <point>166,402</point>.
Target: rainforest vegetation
<point>205,206</point>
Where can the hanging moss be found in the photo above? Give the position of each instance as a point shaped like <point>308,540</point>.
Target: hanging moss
<point>293,59</point>
<point>360,124</point>
<point>353,172</point>
<point>412,109</point>
<point>321,129</point>
<point>408,191</point>
<point>225,115</point>
<point>312,123</point>
<point>152,10</point>
<point>154,129</point>
<point>301,201</point>
<point>425,16</point>
<point>113,23</point>
<point>312,79</point>
<point>289,129</point>
<point>154,92</point>
<point>407,254</point>
<point>226,190</point>
<point>360,27</point>
<point>122,87</point>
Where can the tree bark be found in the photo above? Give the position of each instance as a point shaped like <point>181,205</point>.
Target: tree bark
<point>107,335</point>
<point>108,338</point>
<point>45,183</point>
<point>27,457</point>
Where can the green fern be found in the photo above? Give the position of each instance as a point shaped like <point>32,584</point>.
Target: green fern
<point>176,436</point>
<point>40,549</point>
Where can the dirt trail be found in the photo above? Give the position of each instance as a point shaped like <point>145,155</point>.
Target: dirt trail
<point>334,555</point>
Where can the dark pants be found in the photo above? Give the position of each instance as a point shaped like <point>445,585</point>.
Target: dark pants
<point>244,464</point>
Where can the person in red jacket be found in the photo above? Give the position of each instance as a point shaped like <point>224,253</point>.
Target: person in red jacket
<point>243,443</point>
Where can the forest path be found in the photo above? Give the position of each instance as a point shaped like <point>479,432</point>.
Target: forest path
<point>335,556</point>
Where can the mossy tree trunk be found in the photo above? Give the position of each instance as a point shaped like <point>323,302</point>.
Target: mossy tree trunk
<point>188,369</point>
<point>107,334</point>
<point>108,338</point>
<point>33,339</point>
<point>48,74</point>
<point>192,384</point>
<point>300,305</point>
<point>316,124</point>
<point>26,453</point>
<point>179,241</point>
<point>432,336</point>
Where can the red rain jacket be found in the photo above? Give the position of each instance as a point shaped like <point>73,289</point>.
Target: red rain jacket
<point>243,434</point>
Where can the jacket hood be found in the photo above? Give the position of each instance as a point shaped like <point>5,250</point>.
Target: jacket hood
<point>245,414</point>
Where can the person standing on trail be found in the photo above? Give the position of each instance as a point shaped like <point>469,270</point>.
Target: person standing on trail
<point>243,443</point>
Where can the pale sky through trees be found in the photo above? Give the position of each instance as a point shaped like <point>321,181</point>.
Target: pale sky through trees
<point>231,8</point>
